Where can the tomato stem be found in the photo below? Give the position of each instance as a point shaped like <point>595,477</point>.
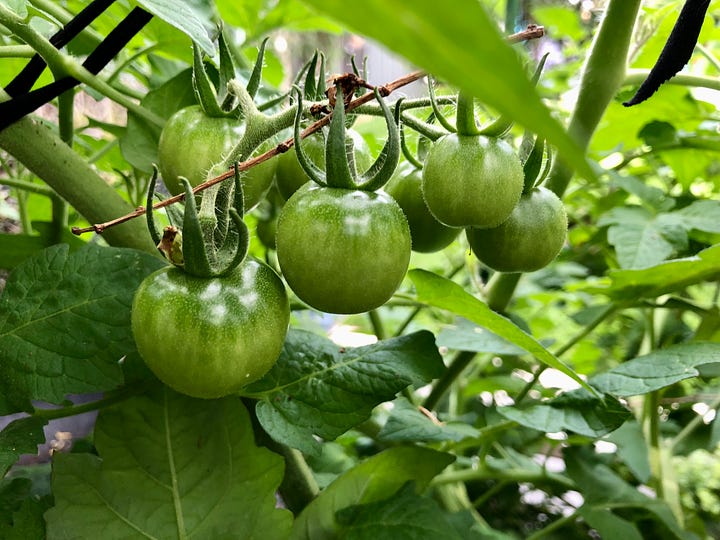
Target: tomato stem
<point>465,115</point>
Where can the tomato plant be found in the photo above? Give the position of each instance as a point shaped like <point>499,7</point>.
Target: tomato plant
<point>192,142</point>
<point>210,337</point>
<point>528,240</point>
<point>364,254</point>
<point>476,399</point>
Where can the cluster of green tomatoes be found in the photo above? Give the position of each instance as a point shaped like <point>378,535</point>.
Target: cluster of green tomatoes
<point>216,320</point>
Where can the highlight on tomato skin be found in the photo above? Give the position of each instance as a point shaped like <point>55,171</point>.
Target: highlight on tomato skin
<point>528,240</point>
<point>210,337</point>
<point>343,251</point>
<point>472,180</point>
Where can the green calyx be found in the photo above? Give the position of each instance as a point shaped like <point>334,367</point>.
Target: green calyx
<point>219,102</point>
<point>339,161</point>
<point>213,241</point>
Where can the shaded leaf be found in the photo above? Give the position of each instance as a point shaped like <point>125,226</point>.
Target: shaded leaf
<point>442,293</point>
<point>403,515</point>
<point>632,449</point>
<point>368,482</point>
<point>657,369</point>
<point>170,466</point>
<point>466,51</point>
<point>601,487</point>
<point>15,248</point>
<point>663,278</point>
<point>608,525</point>
<point>139,144</point>
<point>466,336</point>
<point>21,436</point>
<point>28,522</point>
<point>183,16</point>
<point>407,424</point>
<point>575,411</point>
<point>65,322</point>
<point>319,388</point>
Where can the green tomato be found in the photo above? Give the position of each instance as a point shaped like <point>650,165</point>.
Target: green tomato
<point>528,240</point>
<point>341,250</point>
<point>290,176</point>
<point>192,142</point>
<point>428,234</point>
<point>471,181</point>
<point>208,338</point>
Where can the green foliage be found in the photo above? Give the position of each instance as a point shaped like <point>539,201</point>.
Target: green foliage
<point>169,466</point>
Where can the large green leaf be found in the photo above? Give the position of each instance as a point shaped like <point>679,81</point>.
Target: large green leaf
<point>368,482</point>
<point>664,278</point>
<point>575,411</point>
<point>407,424</point>
<point>15,248</point>
<point>169,466</point>
<point>440,292</point>
<point>463,46</point>
<point>657,370</point>
<point>65,322</point>
<point>319,388</point>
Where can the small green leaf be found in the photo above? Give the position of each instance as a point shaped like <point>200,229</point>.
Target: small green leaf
<point>465,336</point>
<point>65,322</point>
<point>657,370</point>
<point>632,449</point>
<point>442,293</point>
<point>663,278</point>
<point>169,466</point>
<point>575,411</point>
<point>701,215</point>
<point>318,388</point>
<point>368,482</point>
<point>183,16</point>
<point>19,437</point>
<point>403,515</point>
<point>407,424</point>
<point>608,525</point>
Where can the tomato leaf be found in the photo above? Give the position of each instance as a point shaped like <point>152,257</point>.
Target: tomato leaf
<point>21,436</point>
<point>575,411</point>
<point>65,322</point>
<point>368,482</point>
<point>407,424</point>
<point>402,515</point>
<point>442,293</point>
<point>169,466</point>
<point>663,278</point>
<point>602,488</point>
<point>319,388</point>
<point>184,17</point>
<point>467,51</point>
<point>657,370</point>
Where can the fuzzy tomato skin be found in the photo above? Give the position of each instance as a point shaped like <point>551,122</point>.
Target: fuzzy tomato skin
<point>428,234</point>
<point>471,181</point>
<point>290,176</point>
<point>209,338</point>
<point>340,250</point>
<point>528,240</point>
<point>192,142</point>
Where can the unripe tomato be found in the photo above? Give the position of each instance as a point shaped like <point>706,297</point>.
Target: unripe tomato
<point>289,176</point>
<point>209,337</point>
<point>341,250</point>
<point>471,181</point>
<point>192,142</point>
<point>528,240</point>
<point>428,234</point>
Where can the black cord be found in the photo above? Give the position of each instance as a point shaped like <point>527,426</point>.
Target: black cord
<point>677,50</point>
